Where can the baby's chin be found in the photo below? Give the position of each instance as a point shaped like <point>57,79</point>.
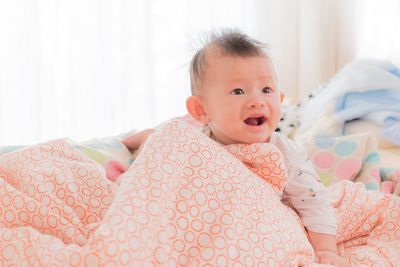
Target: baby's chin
<point>247,140</point>
<point>255,140</point>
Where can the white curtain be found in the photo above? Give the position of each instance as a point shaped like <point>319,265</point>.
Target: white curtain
<point>93,68</point>
<point>378,30</point>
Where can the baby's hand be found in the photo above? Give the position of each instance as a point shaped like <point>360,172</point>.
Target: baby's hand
<point>329,257</point>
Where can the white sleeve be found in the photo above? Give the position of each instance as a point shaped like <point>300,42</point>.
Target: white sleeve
<point>305,192</point>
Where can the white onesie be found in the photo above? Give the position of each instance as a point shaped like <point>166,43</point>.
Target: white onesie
<point>304,191</point>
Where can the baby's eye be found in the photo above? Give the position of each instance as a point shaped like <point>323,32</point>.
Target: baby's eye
<point>237,91</point>
<point>267,90</point>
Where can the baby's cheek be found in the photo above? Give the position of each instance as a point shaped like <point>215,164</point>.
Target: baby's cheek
<point>230,119</point>
<point>274,122</point>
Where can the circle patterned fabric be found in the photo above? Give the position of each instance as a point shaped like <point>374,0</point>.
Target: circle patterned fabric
<point>185,201</point>
<point>265,160</point>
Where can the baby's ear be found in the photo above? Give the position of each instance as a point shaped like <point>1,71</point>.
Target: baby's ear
<point>282,95</point>
<point>195,107</point>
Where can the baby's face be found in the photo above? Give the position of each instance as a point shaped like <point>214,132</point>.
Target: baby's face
<point>241,99</point>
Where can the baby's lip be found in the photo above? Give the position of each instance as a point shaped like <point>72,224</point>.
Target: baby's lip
<point>255,120</point>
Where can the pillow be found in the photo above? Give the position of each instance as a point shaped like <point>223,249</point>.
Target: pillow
<point>350,157</point>
<point>6,149</point>
<point>392,133</point>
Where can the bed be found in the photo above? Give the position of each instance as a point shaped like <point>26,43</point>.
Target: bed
<point>187,201</point>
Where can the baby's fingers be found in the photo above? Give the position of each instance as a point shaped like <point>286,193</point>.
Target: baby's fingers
<point>330,258</point>
<point>326,261</point>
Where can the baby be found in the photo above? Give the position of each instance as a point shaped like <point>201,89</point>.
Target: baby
<point>235,95</point>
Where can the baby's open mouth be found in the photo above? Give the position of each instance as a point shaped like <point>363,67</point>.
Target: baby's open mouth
<point>255,121</point>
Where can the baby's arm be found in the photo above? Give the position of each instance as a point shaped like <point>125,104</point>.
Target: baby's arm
<point>326,249</point>
<point>307,195</point>
<point>309,198</point>
<point>136,141</point>
<point>322,242</point>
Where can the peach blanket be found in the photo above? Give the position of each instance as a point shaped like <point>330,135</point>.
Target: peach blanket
<point>184,201</point>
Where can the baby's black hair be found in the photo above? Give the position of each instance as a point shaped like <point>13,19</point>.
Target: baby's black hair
<point>229,42</point>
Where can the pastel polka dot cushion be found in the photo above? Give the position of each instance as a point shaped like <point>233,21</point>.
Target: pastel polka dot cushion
<point>351,157</point>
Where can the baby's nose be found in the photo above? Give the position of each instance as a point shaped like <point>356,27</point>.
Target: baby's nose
<point>255,103</point>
